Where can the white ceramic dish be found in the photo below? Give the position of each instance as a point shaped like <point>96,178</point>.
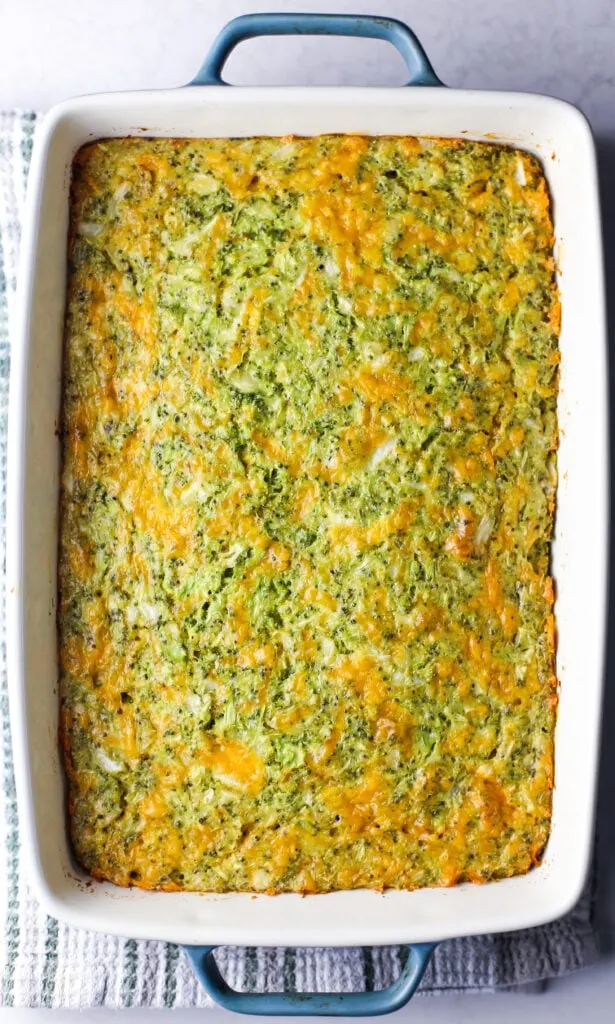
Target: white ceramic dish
<point>561,138</point>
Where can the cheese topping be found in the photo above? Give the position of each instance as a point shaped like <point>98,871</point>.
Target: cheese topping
<point>309,432</point>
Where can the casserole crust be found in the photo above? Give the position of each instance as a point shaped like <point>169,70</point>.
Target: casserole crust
<point>309,436</point>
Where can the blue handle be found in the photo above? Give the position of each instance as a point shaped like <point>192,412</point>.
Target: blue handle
<point>366,25</point>
<point>306,1004</point>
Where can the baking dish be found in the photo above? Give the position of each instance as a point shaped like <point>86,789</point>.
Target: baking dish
<point>561,138</point>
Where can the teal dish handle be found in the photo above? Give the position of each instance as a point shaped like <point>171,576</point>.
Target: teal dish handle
<point>367,26</point>
<point>310,1004</point>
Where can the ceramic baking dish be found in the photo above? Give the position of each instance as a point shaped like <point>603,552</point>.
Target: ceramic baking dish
<point>559,135</point>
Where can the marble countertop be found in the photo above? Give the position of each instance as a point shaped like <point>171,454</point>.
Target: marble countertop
<point>566,48</point>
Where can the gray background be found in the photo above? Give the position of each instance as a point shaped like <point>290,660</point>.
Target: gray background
<point>53,49</point>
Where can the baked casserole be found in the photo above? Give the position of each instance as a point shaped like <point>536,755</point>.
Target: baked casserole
<point>309,469</point>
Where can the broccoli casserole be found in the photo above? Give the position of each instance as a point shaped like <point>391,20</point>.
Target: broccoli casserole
<point>309,472</point>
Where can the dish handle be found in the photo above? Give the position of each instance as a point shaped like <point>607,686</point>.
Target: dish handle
<point>369,26</point>
<point>306,1004</point>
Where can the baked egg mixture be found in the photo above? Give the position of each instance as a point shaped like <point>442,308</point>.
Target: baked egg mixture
<point>309,472</point>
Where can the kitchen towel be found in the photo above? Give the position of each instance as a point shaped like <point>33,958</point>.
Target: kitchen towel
<point>44,963</point>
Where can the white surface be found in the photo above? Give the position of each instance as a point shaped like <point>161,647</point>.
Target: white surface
<point>558,134</point>
<point>566,48</point>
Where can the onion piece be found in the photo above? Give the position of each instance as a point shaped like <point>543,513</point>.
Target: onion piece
<point>108,763</point>
<point>416,353</point>
<point>382,452</point>
<point>483,532</point>
<point>90,228</point>
<point>244,382</point>
<point>520,177</point>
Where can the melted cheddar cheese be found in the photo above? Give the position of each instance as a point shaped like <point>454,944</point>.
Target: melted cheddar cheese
<point>309,431</point>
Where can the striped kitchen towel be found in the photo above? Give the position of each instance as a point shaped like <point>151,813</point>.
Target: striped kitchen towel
<point>45,963</point>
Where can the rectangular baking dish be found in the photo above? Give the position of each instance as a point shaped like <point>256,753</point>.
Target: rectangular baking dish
<point>560,136</point>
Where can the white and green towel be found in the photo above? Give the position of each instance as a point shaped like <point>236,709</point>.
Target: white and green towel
<point>44,963</point>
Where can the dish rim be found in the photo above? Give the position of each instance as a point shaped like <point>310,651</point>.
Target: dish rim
<point>192,97</point>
